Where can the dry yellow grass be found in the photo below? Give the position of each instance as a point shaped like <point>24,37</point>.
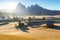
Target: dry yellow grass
<point>11,37</point>
<point>35,34</point>
<point>9,32</point>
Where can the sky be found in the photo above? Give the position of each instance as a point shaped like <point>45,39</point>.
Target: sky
<point>47,4</point>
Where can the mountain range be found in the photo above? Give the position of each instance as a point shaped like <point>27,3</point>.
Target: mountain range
<point>34,10</point>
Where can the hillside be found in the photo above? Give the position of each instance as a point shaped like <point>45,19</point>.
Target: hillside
<point>9,32</point>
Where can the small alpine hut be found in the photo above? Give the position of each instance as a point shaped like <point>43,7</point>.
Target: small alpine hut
<point>50,24</point>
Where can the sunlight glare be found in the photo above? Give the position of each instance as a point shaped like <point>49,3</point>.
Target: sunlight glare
<point>9,6</point>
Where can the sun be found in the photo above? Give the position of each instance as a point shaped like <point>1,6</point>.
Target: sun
<point>9,6</point>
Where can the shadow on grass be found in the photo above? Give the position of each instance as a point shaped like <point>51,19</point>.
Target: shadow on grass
<point>23,28</point>
<point>3,23</point>
<point>55,27</point>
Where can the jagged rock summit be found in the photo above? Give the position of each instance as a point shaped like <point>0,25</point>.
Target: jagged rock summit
<point>34,10</point>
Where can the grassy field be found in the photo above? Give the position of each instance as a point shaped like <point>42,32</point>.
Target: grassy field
<point>40,34</point>
<point>9,32</point>
<point>11,37</point>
